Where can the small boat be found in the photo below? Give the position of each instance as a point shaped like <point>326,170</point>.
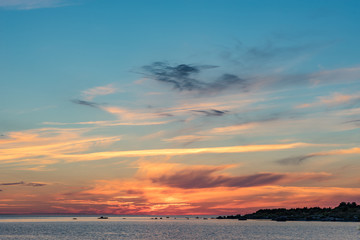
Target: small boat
<point>103,217</point>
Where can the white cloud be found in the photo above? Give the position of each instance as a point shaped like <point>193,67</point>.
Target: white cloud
<point>91,93</point>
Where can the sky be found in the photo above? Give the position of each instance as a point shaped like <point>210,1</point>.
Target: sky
<point>178,107</point>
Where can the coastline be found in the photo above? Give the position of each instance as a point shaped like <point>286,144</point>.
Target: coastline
<point>344,212</point>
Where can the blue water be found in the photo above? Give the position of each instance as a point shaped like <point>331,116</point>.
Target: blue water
<point>39,228</point>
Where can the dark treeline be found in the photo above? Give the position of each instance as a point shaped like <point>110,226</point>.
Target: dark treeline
<point>344,212</point>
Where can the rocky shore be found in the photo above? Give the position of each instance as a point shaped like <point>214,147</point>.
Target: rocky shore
<point>345,212</point>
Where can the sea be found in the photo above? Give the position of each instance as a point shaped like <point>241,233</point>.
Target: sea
<point>168,227</point>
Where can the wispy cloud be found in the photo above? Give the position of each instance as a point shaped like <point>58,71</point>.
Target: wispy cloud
<point>85,103</point>
<point>22,183</point>
<point>183,77</point>
<point>183,151</point>
<point>301,158</point>
<point>336,99</point>
<point>91,93</point>
<point>109,123</point>
<point>211,112</point>
<point>232,130</point>
<point>187,139</point>
<point>205,178</point>
<point>33,4</point>
<point>132,114</point>
<point>43,146</point>
<point>267,54</point>
<point>190,79</point>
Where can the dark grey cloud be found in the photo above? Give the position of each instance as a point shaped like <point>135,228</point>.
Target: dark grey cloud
<point>296,160</point>
<point>184,77</point>
<point>165,114</point>
<point>211,112</point>
<point>85,103</point>
<point>356,121</point>
<point>31,184</point>
<point>205,178</point>
<point>35,184</point>
<point>226,81</point>
<point>11,184</point>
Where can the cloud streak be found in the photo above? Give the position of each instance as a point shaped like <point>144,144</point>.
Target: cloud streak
<point>336,99</point>
<point>85,103</point>
<point>205,178</point>
<point>183,151</point>
<point>183,77</point>
<point>302,158</point>
<point>91,93</point>
<point>44,146</point>
<point>22,183</point>
<point>211,112</point>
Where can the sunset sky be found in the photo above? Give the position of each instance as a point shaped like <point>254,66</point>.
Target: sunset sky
<point>178,107</point>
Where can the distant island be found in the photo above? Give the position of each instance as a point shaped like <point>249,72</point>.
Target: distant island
<point>345,212</point>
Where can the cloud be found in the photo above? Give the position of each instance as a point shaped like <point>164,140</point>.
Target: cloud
<point>301,158</point>
<point>31,184</point>
<point>33,4</point>
<point>91,93</point>
<point>35,184</point>
<point>132,115</point>
<point>43,146</point>
<point>187,139</point>
<point>234,129</point>
<point>183,77</point>
<point>178,76</point>
<point>296,160</point>
<point>85,103</point>
<point>341,75</point>
<point>353,121</point>
<point>227,81</point>
<point>336,99</point>
<point>164,187</point>
<point>11,184</point>
<point>205,178</point>
<point>174,188</point>
<point>211,112</point>
<point>250,57</point>
<point>208,177</point>
<point>179,151</point>
<point>108,123</point>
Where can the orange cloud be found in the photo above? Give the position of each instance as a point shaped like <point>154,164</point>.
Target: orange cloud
<point>46,144</point>
<point>233,130</point>
<point>152,191</point>
<point>333,100</point>
<point>187,138</point>
<point>183,151</point>
<point>109,123</point>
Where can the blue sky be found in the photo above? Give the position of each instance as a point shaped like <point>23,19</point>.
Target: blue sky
<point>250,96</point>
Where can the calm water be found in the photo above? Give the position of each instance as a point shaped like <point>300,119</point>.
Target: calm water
<point>27,228</point>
